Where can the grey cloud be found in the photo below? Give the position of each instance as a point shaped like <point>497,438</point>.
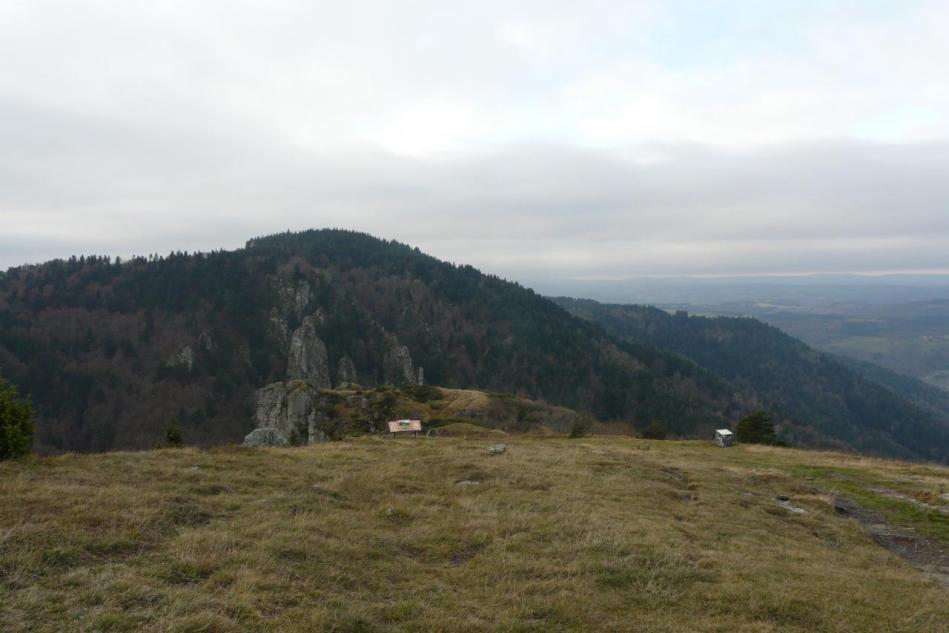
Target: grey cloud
<point>75,184</point>
<point>134,128</point>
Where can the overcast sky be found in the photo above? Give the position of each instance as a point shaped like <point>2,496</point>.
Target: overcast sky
<point>536,140</point>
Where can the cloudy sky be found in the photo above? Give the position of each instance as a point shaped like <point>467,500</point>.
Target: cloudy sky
<point>536,140</point>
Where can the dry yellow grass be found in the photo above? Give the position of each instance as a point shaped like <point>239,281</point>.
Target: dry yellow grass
<point>597,534</point>
<point>463,429</point>
<point>459,401</point>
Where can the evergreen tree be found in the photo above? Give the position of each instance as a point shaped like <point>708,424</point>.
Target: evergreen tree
<point>757,428</point>
<point>173,437</point>
<point>16,423</point>
<point>581,427</point>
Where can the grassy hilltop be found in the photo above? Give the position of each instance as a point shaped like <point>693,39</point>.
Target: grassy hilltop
<point>372,534</point>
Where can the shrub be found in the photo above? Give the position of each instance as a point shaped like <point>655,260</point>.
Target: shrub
<point>422,393</point>
<point>581,426</point>
<point>16,423</point>
<point>173,437</point>
<point>757,428</point>
<point>655,431</point>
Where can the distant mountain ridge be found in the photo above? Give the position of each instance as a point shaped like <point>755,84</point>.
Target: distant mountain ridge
<point>821,399</point>
<point>110,350</point>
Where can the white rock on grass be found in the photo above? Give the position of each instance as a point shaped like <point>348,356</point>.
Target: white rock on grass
<point>265,437</point>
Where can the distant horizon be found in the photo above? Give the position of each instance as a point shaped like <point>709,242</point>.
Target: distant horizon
<point>929,274</point>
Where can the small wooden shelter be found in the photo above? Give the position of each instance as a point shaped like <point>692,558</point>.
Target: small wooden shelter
<point>724,437</point>
<point>405,426</point>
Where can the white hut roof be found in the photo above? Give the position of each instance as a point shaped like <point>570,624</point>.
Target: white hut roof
<point>723,432</point>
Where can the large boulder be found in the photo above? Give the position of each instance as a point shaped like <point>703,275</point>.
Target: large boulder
<point>265,437</point>
<point>307,358</point>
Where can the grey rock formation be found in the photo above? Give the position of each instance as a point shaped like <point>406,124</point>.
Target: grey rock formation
<point>205,341</point>
<point>397,363</point>
<point>292,302</point>
<point>295,410</point>
<point>319,316</point>
<point>272,406</point>
<point>307,359</point>
<point>496,449</point>
<point>279,326</point>
<point>184,357</point>
<point>345,372</point>
<point>265,437</point>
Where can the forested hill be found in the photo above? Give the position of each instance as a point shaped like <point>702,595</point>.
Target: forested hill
<point>110,350</point>
<point>820,399</point>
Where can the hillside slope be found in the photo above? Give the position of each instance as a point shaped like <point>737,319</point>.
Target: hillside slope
<point>375,535</point>
<point>820,400</point>
<point>110,351</point>
<point>922,394</point>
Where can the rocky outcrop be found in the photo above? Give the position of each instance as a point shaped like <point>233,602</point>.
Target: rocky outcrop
<point>183,358</point>
<point>292,302</point>
<point>346,373</point>
<point>206,342</point>
<point>296,410</point>
<point>272,406</point>
<point>265,437</point>
<point>279,327</point>
<point>397,363</point>
<point>307,358</point>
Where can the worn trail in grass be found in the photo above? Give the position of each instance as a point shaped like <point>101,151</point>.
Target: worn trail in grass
<point>377,535</point>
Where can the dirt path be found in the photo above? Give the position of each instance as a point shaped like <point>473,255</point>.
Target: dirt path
<point>926,555</point>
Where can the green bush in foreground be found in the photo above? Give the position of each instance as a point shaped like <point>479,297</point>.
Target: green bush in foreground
<point>16,423</point>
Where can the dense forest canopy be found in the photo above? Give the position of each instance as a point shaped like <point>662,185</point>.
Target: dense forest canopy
<point>821,400</point>
<point>112,349</point>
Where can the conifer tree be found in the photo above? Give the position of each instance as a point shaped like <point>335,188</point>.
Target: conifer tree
<point>16,423</point>
<point>757,428</point>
